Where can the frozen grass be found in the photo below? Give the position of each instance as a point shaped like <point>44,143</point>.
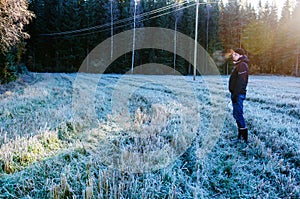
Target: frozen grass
<point>48,152</point>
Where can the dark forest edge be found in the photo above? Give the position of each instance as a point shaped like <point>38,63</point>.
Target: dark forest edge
<point>62,34</point>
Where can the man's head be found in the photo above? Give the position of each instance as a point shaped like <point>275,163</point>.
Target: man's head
<point>237,53</point>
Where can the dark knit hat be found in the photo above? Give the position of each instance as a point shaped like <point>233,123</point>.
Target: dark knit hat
<point>240,51</point>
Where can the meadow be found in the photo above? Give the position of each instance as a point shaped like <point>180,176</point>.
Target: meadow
<point>135,136</point>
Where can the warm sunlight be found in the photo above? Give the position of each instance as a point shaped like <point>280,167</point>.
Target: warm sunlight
<point>255,3</point>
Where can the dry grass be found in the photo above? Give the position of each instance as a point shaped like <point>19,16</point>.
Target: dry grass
<point>147,137</point>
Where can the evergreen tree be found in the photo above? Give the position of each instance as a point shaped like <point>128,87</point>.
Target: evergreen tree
<point>231,25</point>
<point>294,35</point>
<point>34,60</point>
<point>177,18</point>
<point>53,13</point>
<point>70,46</point>
<point>258,39</point>
<point>233,20</point>
<point>214,41</point>
<point>94,14</point>
<point>283,42</point>
<point>187,26</point>
<point>272,22</point>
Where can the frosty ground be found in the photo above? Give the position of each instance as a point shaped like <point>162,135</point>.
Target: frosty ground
<point>135,136</point>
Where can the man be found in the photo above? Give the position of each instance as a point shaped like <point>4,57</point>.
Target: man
<point>237,86</point>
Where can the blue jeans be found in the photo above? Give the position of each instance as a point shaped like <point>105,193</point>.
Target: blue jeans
<point>238,110</point>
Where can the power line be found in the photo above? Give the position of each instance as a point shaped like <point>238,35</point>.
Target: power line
<point>116,22</point>
<point>80,32</point>
<point>124,25</point>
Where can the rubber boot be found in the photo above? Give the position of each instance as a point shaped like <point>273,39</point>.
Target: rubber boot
<point>238,139</point>
<point>244,134</point>
<point>239,134</point>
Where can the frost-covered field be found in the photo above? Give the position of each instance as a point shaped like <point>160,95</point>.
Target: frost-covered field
<point>113,136</point>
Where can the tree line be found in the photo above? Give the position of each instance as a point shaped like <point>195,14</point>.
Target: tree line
<point>63,33</point>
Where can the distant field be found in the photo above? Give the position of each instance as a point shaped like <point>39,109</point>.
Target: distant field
<point>114,136</point>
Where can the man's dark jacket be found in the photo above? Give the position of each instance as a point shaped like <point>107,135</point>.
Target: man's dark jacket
<point>239,77</point>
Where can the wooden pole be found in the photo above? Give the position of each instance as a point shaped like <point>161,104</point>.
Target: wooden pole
<point>196,40</point>
<point>297,62</point>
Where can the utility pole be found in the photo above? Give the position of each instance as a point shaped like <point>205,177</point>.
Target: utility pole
<point>196,39</point>
<point>111,30</point>
<point>175,47</point>
<point>297,61</point>
<point>133,43</point>
<point>208,8</point>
